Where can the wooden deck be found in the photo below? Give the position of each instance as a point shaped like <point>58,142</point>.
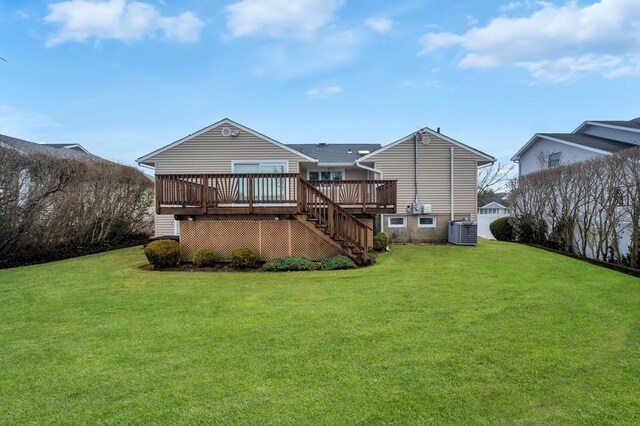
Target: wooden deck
<point>266,194</point>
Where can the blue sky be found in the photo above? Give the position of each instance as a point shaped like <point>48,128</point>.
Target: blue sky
<point>123,78</point>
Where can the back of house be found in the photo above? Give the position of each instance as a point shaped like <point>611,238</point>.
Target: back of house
<point>228,185</point>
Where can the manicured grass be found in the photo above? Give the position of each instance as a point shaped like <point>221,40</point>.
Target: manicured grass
<point>501,333</point>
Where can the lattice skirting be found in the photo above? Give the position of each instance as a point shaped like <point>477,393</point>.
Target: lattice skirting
<point>270,238</point>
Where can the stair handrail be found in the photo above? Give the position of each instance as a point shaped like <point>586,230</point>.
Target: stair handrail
<point>340,224</point>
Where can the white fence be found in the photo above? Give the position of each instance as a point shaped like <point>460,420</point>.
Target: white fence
<point>484,220</point>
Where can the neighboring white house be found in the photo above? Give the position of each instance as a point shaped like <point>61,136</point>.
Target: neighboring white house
<point>591,139</point>
<point>491,209</point>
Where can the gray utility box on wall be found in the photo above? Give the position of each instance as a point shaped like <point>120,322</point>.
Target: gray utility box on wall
<point>463,233</point>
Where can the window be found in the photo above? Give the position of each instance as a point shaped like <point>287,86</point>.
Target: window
<point>326,175</point>
<point>620,197</point>
<point>553,160</point>
<point>427,221</point>
<point>397,221</point>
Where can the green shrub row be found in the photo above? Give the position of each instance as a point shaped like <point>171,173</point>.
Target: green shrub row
<point>291,263</point>
<point>166,253</point>
<point>337,262</point>
<point>300,263</point>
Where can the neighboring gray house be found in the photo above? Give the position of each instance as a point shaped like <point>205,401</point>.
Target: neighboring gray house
<point>25,147</point>
<point>62,150</point>
<point>592,139</point>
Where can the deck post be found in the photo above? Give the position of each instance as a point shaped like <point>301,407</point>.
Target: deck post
<point>250,190</point>
<point>205,192</point>
<point>363,195</point>
<point>158,193</point>
<point>331,222</point>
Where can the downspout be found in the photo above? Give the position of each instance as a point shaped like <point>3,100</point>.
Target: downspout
<point>451,180</point>
<point>371,169</point>
<point>416,202</point>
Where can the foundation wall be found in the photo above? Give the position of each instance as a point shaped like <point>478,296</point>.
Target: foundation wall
<point>412,233</point>
<point>270,238</point>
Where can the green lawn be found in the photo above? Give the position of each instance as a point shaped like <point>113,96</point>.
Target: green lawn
<point>501,333</point>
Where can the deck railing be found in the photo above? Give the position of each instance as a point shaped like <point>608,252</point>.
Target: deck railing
<point>215,190</point>
<point>367,194</point>
<point>205,192</point>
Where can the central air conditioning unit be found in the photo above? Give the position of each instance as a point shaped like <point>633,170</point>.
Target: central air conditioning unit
<point>463,233</point>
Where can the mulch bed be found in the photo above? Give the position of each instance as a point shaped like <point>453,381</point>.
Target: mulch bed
<point>189,267</point>
<point>443,243</point>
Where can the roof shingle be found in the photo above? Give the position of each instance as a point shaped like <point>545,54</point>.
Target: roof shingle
<point>335,153</point>
<point>50,149</point>
<point>602,144</point>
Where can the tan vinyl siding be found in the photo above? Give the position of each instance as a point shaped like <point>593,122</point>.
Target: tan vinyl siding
<point>434,173</point>
<point>164,225</point>
<point>211,152</point>
<point>356,174</point>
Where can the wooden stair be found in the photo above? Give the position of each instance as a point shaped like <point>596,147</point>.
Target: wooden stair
<point>333,223</point>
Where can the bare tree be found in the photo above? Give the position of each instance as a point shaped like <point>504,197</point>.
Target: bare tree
<point>48,203</point>
<point>586,208</point>
<point>491,178</point>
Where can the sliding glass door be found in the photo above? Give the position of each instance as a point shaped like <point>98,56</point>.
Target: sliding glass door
<point>265,188</point>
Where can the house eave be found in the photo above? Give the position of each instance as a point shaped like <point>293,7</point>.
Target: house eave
<point>143,159</point>
<point>488,158</point>
<point>525,148</point>
<point>608,126</point>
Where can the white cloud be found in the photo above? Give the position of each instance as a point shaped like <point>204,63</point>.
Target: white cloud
<point>22,15</point>
<point>330,50</point>
<point>324,92</point>
<point>554,43</point>
<point>280,18</point>
<point>510,6</point>
<point>16,122</point>
<point>379,25</point>
<point>471,20</point>
<point>185,28</point>
<point>567,69</point>
<point>80,20</point>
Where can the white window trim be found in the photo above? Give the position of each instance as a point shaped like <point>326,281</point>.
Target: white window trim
<point>404,222</point>
<point>344,173</point>
<point>285,163</point>
<point>433,225</point>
